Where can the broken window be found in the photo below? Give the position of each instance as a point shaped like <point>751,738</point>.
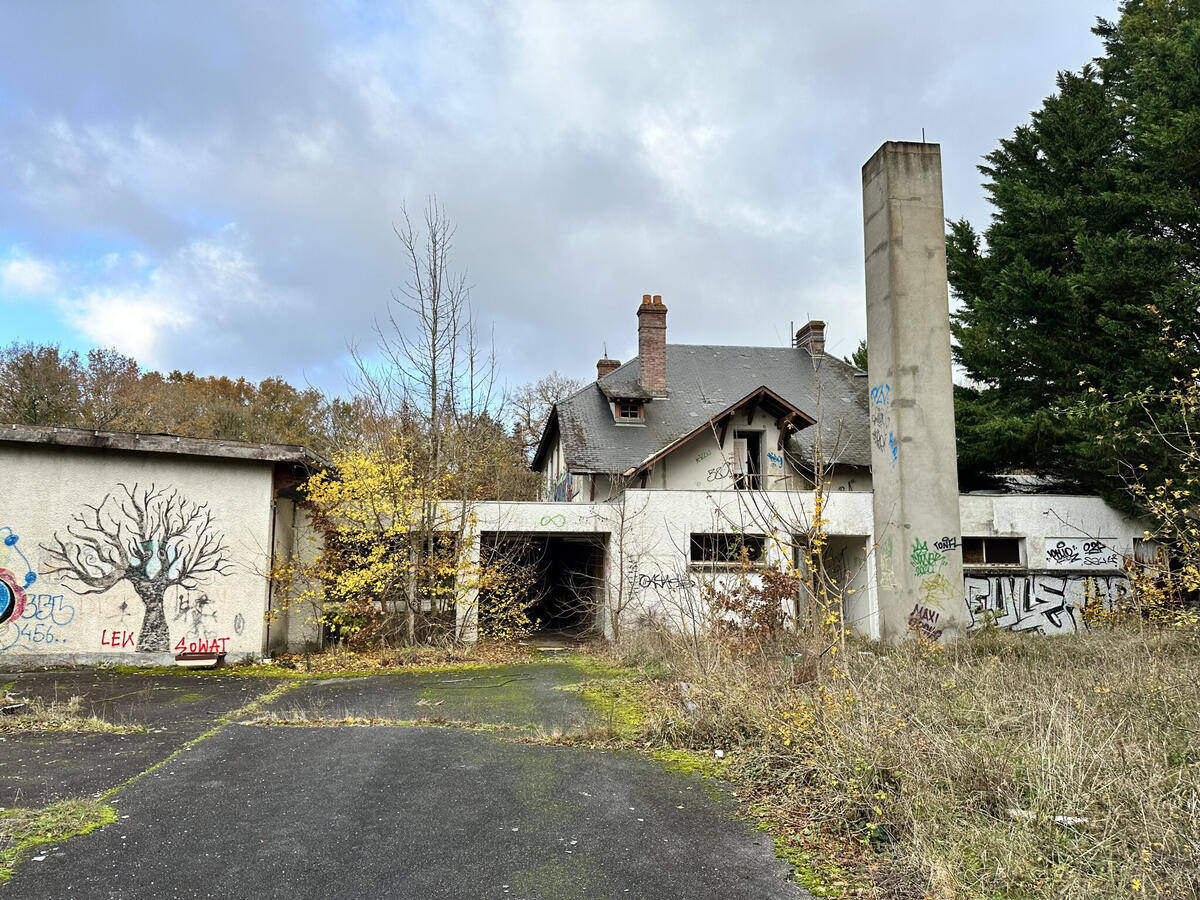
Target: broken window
<point>727,549</point>
<point>991,551</point>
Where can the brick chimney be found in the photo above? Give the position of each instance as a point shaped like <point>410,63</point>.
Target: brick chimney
<point>652,345</point>
<point>606,365</point>
<point>812,338</point>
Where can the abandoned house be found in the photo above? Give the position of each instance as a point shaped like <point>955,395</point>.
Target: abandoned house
<point>649,471</point>
<point>152,548</point>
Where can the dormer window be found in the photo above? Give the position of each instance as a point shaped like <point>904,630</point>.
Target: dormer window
<point>628,410</point>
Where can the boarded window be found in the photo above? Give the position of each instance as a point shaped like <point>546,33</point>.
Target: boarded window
<point>991,551</point>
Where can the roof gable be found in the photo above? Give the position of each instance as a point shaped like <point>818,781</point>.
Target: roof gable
<point>763,398</point>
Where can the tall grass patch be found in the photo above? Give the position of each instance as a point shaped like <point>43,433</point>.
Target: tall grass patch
<point>1002,766</point>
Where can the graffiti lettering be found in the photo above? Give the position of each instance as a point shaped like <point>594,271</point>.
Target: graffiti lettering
<point>1042,603</point>
<point>33,633</point>
<point>774,460</point>
<point>662,582</point>
<point>720,472</point>
<point>1080,553</point>
<point>923,620</point>
<point>882,433</point>
<point>216,645</point>
<point>40,616</point>
<point>924,560</point>
<point>1061,553</point>
<point>938,592</point>
<point>50,608</point>
<point>946,544</point>
<point>700,457</point>
<point>119,639</point>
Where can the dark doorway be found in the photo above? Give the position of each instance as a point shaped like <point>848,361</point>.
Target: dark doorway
<point>568,579</point>
<point>747,460</point>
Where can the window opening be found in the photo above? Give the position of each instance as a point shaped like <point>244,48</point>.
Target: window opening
<point>629,410</point>
<point>747,460</point>
<point>991,551</point>
<point>727,549</point>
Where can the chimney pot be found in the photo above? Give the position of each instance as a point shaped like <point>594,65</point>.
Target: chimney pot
<point>811,337</point>
<point>646,298</point>
<point>606,365</point>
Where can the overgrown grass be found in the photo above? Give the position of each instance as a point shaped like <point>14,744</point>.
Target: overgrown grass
<point>340,662</point>
<point>22,830</point>
<point>1004,766</point>
<point>62,716</point>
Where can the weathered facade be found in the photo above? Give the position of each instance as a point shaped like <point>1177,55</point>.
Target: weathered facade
<point>144,548</point>
<point>706,442</point>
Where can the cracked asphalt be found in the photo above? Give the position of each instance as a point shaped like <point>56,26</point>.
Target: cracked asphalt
<point>375,811</point>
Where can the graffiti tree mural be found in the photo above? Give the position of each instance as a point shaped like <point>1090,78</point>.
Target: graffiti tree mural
<point>154,538</point>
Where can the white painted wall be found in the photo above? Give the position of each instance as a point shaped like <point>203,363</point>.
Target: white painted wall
<point>46,486</point>
<point>658,525</point>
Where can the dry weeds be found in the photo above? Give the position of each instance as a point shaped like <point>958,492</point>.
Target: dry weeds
<point>1004,766</point>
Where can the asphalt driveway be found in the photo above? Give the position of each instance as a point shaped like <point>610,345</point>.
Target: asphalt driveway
<point>401,811</point>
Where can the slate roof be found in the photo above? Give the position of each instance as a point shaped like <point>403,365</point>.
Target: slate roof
<point>703,380</point>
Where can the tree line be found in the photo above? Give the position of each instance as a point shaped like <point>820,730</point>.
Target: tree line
<point>106,390</point>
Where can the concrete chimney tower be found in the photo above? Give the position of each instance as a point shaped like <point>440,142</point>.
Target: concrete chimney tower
<point>914,474</point>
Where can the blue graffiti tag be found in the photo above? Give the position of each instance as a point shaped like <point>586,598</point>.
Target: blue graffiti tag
<point>37,627</point>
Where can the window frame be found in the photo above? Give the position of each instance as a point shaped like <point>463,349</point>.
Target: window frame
<point>620,405</point>
<point>722,549</point>
<point>997,541</point>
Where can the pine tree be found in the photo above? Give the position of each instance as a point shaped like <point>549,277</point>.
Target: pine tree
<point>1092,250</point>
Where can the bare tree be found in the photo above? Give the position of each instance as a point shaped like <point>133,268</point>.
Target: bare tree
<point>154,538</point>
<point>435,414</point>
<point>531,403</point>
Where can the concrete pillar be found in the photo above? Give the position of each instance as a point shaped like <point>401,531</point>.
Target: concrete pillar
<point>913,460</point>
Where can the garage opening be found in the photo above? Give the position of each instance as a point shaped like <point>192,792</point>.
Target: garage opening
<point>567,589</point>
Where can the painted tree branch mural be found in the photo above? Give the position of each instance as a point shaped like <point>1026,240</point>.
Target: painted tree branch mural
<point>154,538</point>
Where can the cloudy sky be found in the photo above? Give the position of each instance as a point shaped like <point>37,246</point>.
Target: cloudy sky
<point>212,185</point>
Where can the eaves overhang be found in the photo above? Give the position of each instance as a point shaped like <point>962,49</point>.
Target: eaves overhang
<point>175,444</point>
<point>549,432</point>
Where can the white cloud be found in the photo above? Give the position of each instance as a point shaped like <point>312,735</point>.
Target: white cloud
<point>25,276</point>
<point>191,300</point>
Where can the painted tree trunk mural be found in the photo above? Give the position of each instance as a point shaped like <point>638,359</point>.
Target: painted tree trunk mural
<point>154,538</point>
